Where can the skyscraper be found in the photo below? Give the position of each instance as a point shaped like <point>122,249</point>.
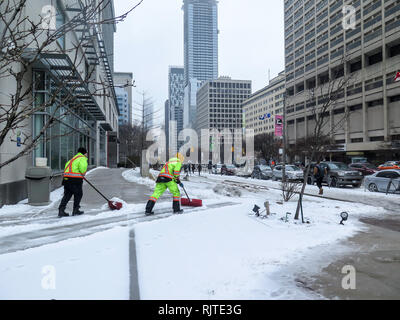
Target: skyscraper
<point>176,86</point>
<point>200,50</point>
<point>123,83</point>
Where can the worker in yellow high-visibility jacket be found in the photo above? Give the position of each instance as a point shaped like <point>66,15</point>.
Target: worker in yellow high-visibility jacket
<point>168,179</point>
<point>75,170</point>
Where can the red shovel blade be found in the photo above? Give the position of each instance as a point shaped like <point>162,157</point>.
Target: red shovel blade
<point>115,205</point>
<point>191,203</point>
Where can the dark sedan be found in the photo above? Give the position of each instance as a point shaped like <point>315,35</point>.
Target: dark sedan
<point>262,172</point>
<point>365,168</point>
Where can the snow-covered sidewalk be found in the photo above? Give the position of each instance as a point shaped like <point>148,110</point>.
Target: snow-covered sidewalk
<point>228,253</point>
<point>93,267</point>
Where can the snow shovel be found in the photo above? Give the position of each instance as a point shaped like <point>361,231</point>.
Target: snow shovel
<point>114,205</point>
<point>190,203</point>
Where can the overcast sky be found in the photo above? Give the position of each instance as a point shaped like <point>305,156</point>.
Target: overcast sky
<point>251,41</point>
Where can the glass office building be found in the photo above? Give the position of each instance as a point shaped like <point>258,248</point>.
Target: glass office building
<point>72,127</point>
<point>200,50</point>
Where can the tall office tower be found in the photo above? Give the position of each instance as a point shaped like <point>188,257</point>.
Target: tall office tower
<point>176,86</point>
<point>200,50</point>
<point>123,84</point>
<point>322,42</point>
<point>123,106</point>
<point>166,126</point>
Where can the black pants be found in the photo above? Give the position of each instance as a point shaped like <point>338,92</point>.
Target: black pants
<point>319,182</point>
<point>72,189</point>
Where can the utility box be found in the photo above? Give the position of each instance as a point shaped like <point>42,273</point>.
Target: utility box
<point>39,186</point>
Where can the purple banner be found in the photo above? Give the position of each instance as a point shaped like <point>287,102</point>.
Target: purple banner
<point>278,126</point>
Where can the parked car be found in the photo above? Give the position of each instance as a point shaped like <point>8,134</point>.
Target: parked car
<point>292,173</point>
<point>217,168</point>
<point>228,170</point>
<point>262,172</point>
<point>380,181</point>
<point>365,168</point>
<point>390,165</point>
<point>339,174</point>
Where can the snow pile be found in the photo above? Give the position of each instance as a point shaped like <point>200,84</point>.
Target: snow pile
<point>133,175</point>
<point>95,169</point>
<point>227,191</point>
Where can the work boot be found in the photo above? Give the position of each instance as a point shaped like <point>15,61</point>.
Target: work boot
<point>321,191</point>
<point>77,212</point>
<point>149,208</point>
<point>62,213</point>
<point>176,205</point>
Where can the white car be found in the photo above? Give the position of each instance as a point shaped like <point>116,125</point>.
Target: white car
<point>292,173</point>
<point>217,168</point>
<point>383,181</point>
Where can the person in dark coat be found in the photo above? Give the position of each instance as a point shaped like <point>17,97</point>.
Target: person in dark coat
<point>199,168</point>
<point>209,167</point>
<point>319,173</point>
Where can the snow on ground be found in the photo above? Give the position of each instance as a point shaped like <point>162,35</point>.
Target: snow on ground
<point>23,206</point>
<point>217,253</point>
<point>92,267</point>
<point>133,175</point>
<point>228,253</point>
<point>330,192</point>
<point>95,169</point>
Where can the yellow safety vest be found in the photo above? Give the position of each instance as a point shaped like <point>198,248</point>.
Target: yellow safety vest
<point>172,169</point>
<point>76,167</point>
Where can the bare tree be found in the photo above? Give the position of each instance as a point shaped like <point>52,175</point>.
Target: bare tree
<point>145,112</point>
<point>267,145</point>
<point>25,41</point>
<point>130,147</point>
<point>321,138</point>
<point>289,189</point>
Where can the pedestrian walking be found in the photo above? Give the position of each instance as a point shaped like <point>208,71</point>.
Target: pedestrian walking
<point>193,168</point>
<point>209,167</point>
<point>168,178</point>
<point>199,167</point>
<point>186,169</point>
<point>74,171</point>
<point>319,173</point>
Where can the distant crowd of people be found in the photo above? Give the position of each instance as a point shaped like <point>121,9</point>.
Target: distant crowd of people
<point>190,168</point>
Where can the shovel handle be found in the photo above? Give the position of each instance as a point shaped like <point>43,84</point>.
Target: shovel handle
<point>96,189</point>
<point>186,194</point>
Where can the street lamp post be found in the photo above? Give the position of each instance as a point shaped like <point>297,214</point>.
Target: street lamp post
<point>284,140</point>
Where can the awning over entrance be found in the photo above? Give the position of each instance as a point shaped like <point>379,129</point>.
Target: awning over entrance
<point>63,71</point>
<point>106,126</point>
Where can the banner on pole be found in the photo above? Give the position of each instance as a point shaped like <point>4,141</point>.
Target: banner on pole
<point>278,126</point>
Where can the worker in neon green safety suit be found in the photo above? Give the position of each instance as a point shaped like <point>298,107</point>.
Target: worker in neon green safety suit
<point>168,179</point>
